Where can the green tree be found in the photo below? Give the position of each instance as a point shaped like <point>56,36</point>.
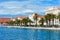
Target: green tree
<point>12,22</point>
<point>48,18</point>
<point>53,17</point>
<point>42,21</point>
<point>29,21</point>
<point>18,22</point>
<point>58,17</point>
<point>35,18</point>
<point>25,21</point>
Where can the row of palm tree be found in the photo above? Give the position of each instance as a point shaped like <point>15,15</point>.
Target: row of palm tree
<point>24,22</point>
<point>47,18</point>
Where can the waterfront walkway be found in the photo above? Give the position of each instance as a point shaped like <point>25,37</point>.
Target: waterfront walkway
<point>47,28</point>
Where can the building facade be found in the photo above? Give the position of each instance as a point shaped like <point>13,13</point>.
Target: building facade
<point>5,20</point>
<point>31,17</point>
<point>55,11</point>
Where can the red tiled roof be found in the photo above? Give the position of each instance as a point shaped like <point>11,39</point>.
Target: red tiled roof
<point>40,16</point>
<point>22,17</point>
<point>4,20</point>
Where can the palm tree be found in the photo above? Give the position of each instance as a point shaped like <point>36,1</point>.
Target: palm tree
<point>21,22</point>
<point>35,18</point>
<point>58,17</point>
<point>53,17</point>
<point>12,22</point>
<point>29,21</point>
<point>48,18</point>
<point>42,21</point>
<point>25,21</point>
<point>18,22</point>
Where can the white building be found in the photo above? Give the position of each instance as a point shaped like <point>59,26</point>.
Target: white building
<point>53,10</point>
<point>21,17</point>
<point>13,19</point>
<point>31,18</point>
<point>56,11</point>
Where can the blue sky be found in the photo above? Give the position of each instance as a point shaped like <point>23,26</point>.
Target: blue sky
<point>25,7</point>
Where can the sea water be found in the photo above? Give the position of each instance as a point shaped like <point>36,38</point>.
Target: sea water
<point>28,34</point>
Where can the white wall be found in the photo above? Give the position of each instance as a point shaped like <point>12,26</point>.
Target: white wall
<point>56,11</point>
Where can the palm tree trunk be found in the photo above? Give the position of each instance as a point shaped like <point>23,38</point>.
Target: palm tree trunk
<point>46,23</point>
<point>36,23</point>
<point>42,23</point>
<point>21,24</point>
<point>25,24</point>
<point>30,24</point>
<point>49,22</point>
<point>53,22</point>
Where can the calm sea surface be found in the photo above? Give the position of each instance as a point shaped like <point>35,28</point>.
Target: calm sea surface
<point>28,34</point>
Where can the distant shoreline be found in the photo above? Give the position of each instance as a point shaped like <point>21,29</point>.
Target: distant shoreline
<point>46,28</point>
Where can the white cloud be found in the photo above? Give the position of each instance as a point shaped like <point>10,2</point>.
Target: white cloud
<point>12,7</point>
<point>12,4</point>
<point>27,10</point>
<point>15,7</point>
<point>45,0</point>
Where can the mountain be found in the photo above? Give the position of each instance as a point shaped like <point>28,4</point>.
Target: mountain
<point>10,16</point>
